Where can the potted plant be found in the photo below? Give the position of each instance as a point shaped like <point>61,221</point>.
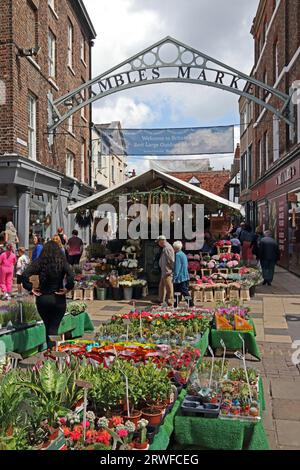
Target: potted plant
<point>141,442</point>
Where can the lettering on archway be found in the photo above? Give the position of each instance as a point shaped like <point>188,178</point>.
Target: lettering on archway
<point>169,61</point>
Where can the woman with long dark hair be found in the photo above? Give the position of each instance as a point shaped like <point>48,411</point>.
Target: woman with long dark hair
<point>56,279</point>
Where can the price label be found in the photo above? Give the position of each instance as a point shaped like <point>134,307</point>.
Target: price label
<point>211,351</point>
<point>60,354</point>
<point>239,355</point>
<point>84,384</point>
<point>222,344</point>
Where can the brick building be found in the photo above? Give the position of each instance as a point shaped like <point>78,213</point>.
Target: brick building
<point>45,51</point>
<point>270,156</point>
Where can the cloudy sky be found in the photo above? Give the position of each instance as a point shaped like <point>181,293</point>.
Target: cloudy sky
<point>219,28</point>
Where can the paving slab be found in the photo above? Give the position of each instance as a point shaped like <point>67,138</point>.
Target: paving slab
<point>286,409</point>
<point>278,339</point>
<point>285,389</point>
<point>288,433</point>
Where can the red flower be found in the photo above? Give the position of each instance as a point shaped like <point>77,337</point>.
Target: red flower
<point>75,436</point>
<point>115,421</point>
<point>66,432</point>
<point>103,437</point>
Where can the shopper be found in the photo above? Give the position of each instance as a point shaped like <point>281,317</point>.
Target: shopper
<point>269,254</point>
<point>181,274</point>
<point>11,236</point>
<point>63,237</point>
<point>235,244</point>
<point>7,263</point>
<point>256,241</point>
<point>246,239</point>
<point>38,247</point>
<point>209,243</point>
<point>56,239</point>
<point>22,263</point>
<point>166,264</point>
<point>55,280</point>
<point>74,248</point>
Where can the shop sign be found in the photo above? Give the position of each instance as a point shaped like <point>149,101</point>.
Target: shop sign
<point>286,175</point>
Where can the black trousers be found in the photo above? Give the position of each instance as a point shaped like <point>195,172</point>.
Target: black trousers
<point>183,288</point>
<point>52,309</point>
<point>74,260</point>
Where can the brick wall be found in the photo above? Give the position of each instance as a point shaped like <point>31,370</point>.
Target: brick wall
<point>31,21</point>
<point>285,31</point>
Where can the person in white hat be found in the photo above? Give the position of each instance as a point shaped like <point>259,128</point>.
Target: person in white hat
<point>166,263</point>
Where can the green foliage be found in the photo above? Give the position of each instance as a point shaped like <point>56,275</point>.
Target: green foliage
<point>96,250</point>
<point>76,308</point>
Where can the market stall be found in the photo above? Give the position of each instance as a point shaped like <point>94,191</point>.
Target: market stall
<point>162,199</point>
<point>22,330</point>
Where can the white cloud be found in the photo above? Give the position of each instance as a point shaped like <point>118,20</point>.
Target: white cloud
<point>125,110</point>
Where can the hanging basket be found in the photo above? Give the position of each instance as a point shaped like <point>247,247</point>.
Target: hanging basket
<point>84,220</point>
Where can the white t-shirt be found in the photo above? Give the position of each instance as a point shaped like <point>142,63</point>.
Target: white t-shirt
<point>22,264</point>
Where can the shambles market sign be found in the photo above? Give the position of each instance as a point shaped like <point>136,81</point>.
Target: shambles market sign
<point>191,74</point>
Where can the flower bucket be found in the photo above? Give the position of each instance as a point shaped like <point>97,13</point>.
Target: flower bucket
<point>117,293</point>
<point>101,293</point>
<point>137,292</point>
<point>128,292</point>
<point>109,293</point>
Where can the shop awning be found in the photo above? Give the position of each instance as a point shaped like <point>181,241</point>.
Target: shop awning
<point>149,181</point>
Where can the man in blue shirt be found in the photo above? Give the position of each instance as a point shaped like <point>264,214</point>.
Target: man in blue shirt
<point>181,273</point>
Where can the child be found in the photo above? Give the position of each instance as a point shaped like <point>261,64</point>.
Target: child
<point>22,264</point>
<point>7,262</point>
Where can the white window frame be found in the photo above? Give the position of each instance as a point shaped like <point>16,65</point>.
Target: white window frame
<point>275,138</point>
<point>83,50</point>
<point>32,127</point>
<point>51,4</point>
<point>276,64</point>
<point>71,124</point>
<point>51,54</point>
<point>70,164</point>
<point>260,157</point>
<point>83,151</point>
<point>266,145</point>
<point>298,122</point>
<point>70,44</point>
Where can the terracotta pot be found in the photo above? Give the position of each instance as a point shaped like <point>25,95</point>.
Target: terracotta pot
<point>134,417</point>
<point>152,415</point>
<point>54,434</point>
<point>138,446</point>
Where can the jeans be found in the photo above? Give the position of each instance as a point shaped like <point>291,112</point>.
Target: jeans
<point>52,309</point>
<point>183,289</point>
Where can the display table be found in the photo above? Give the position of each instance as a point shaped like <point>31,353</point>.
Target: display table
<point>233,341</point>
<point>35,336</point>
<point>162,439</point>
<point>219,434</point>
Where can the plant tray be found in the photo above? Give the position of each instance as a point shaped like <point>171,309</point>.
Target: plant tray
<point>194,406</point>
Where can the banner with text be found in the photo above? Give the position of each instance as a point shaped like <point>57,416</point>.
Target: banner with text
<point>158,142</point>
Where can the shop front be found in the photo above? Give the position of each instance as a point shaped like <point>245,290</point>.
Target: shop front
<point>278,209</point>
<point>35,199</point>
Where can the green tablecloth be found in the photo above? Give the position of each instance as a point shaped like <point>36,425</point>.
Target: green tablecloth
<point>209,433</point>
<point>233,341</point>
<point>162,438</point>
<point>27,340</point>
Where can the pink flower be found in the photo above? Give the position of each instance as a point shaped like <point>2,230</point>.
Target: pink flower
<point>63,421</point>
<point>122,433</point>
<point>87,424</point>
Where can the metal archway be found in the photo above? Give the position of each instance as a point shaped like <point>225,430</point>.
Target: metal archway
<point>166,61</point>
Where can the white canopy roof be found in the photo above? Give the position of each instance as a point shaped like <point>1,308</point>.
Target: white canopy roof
<point>146,180</point>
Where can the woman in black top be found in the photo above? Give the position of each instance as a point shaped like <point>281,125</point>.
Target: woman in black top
<point>52,269</point>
